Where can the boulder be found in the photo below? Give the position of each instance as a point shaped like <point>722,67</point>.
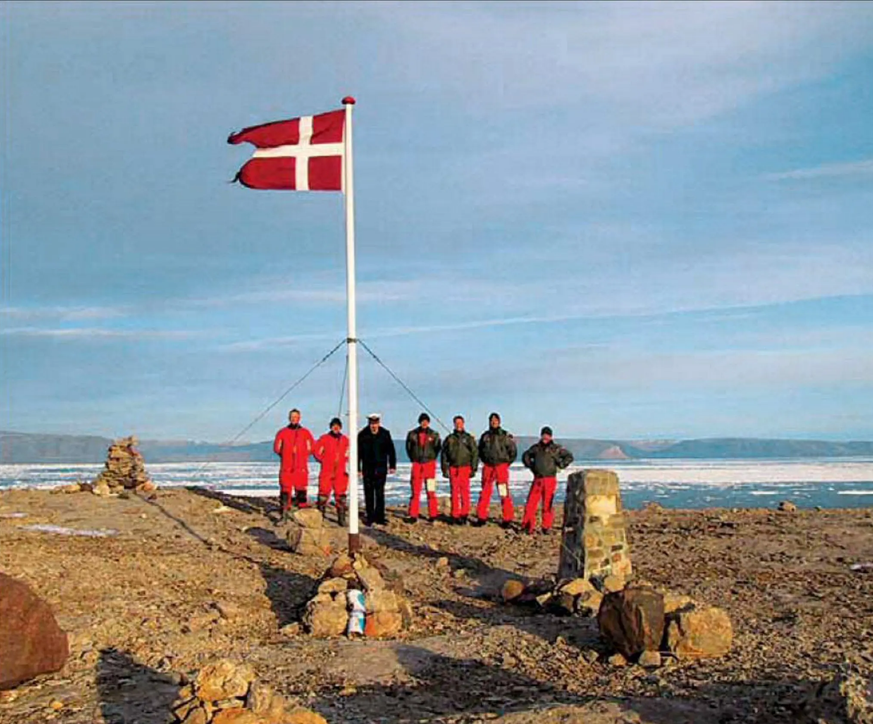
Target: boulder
<point>698,633</point>
<point>223,679</point>
<point>787,506</point>
<point>370,578</point>
<point>383,623</point>
<point>236,715</point>
<point>197,715</point>
<point>379,601</point>
<point>31,642</point>
<point>303,716</point>
<point>309,541</point>
<point>632,620</point>
<point>333,585</point>
<point>577,586</point>
<point>326,616</point>
<point>308,518</point>
<point>650,659</point>
<point>511,590</point>
<point>265,702</point>
<point>563,604</point>
<point>100,488</point>
<point>588,604</point>
<point>613,583</point>
<point>342,566</point>
<point>674,601</point>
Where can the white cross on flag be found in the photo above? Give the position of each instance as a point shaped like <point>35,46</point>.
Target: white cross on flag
<point>302,154</point>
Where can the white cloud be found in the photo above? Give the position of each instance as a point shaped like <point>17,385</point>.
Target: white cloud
<point>662,64</point>
<point>62,313</point>
<point>95,333</point>
<point>830,170</point>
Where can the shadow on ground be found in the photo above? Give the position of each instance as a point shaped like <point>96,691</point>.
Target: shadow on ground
<point>261,506</point>
<point>440,688</point>
<point>132,692</point>
<point>288,592</point>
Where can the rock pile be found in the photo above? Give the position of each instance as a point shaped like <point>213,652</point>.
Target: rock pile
<point>639,619</point>
<point>335,609</point>
<point>307,535</point>
<point>124,470</point>
<point>225,692</point>
<point>636,621</point>
<point>31,641</point>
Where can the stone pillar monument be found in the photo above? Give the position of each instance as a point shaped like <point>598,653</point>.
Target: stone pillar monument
<point>594,542</point>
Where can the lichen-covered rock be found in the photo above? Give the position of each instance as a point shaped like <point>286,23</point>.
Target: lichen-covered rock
<point>303,716</point>
<point>698,633</point>
<point>632,620</point>
<point>786,506</point>
<point>31,642</point>
<point>675,601</point>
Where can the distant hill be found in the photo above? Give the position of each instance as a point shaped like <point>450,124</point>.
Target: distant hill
<point>19,447</point>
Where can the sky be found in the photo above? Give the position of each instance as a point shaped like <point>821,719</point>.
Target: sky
<point>627,221</point>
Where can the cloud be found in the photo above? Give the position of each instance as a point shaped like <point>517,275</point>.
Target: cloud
<point>96,333</point>
<point>665,64</point>
<point>831,170</point>
<point>62,313</point>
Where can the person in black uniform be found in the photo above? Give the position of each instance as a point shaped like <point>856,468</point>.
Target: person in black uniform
<point>376,459</point>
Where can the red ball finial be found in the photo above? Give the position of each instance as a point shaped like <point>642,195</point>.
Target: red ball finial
<point>348,101</point>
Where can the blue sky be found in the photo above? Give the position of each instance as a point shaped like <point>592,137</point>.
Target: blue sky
<point>623,220</point>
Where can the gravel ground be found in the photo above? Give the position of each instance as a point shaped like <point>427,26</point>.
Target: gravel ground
<point>194,575</point>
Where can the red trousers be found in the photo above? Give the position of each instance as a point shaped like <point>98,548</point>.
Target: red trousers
<point>541,489</point>
<point>421,473</point>
<point>329,483</point>
<point>492,474</point>
<point>293,480</point>
<point>459,480</point>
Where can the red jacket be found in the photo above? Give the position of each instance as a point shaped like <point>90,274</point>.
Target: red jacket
<point>294,445</point>
<point>333,454</point>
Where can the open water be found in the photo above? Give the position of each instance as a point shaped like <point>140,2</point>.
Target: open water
<point>829,483</point>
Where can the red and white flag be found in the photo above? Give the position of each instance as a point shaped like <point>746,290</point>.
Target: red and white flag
<point>303,154</point>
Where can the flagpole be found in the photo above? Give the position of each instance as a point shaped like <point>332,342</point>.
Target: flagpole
<point>352,339</point>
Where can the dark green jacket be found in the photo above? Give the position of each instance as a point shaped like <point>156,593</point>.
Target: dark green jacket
<point>496,447</point>
<point>422,454</point>
<point>545,460</point>
<point>459,450</point>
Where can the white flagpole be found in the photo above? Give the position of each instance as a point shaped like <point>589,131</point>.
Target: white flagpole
<point>352,340</point>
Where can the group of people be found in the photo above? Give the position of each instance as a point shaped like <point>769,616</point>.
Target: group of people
<point>458,455</point>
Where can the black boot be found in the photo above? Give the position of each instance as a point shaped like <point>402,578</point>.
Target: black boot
<point>341,511</point>
<point>321,504</point>
<point>283,505</point>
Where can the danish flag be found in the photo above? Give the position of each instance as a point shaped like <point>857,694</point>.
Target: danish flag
<point>301,154</point>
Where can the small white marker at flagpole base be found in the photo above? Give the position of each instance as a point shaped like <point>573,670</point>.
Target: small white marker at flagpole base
<point>351,341</point>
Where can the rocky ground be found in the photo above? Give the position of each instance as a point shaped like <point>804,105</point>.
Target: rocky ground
<point>193,575</point>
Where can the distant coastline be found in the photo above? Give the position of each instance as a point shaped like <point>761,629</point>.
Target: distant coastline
<point>36,448</point>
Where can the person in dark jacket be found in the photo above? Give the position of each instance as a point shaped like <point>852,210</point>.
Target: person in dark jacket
<point>459,459</point>
<point>497,451</point>
<point>376,458</point>
<point>423,447</point>
<point>543,459</point>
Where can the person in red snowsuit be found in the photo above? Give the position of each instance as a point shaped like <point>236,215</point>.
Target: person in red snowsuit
<point>332,451</point>
<point>543,459</point>
<point>423,448</point>
<point>293,444</point>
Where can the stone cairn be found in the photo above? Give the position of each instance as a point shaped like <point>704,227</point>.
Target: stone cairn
<point>123,471</point>
<point>334,611</point>
<point>225,692</point>
<point>636,621</point>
